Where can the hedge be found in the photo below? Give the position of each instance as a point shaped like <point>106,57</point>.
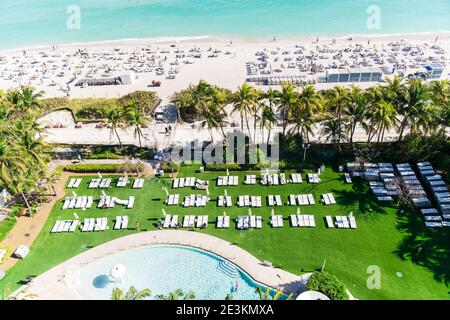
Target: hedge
<point>328,284</point>
<point>93,168</point>
<point>169,168</point>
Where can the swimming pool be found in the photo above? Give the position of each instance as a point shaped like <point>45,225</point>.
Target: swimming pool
<point>163,269</point>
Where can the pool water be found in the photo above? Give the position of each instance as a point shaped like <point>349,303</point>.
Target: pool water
<point>163,269</point>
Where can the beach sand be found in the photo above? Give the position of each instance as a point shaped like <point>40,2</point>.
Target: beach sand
<point>226,70</point>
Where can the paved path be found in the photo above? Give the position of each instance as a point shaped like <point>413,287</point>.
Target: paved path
<point>55,284</point>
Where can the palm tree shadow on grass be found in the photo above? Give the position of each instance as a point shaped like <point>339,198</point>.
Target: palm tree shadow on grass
<point>426,247</point>
<point>359,196</point>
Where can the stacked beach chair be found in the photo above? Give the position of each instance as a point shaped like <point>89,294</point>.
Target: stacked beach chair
<point>303,220</point>
<point>74,183</point>
<point>274,200</point>
<point>227,180</point>
<point>61,226</point>
<point>138,184</point>
<point>224,201</point>
<point>249,201</point>
<point>301,199</point>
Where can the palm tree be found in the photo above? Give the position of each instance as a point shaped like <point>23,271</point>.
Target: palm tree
<point>177,295</point>
<point>288,99</point>
<point>115,118</point>
<point>268,119</point>
<point>333,130</point>
<point>131,294</point>
<point>356,111</point>
<point>265,294</point>
<point>136,119</point>
<point>338,100</point>
<point>215,117</point>
<point>416,97</point>
<point>244,100</point>
<point>385,117</point>
<point>309,102</point>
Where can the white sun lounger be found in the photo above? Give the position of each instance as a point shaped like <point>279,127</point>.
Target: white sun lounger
<point>311,199</point>
<point>329,221</point>
<point>55,226</point>
<point>66,203</point>
<point>352,222</point>
<point>292,201</point>
<point>118,223</point>
<point>270,200</point>
<point>294,220</point>
<point>72,203</point>
<point>130,202</point>
<point>167,220</point>
<point>71,183</point>
<point>174,222</point>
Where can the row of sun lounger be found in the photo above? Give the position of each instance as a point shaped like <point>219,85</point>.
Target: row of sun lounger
<point>249,201</point>
<point>313,178</point>
<point>122,182</point>
<point>173,200</point>
<point>227,180</point>
<point>100,183</point>
<point>198,200</point>
<point>250,179</point>
<point>273,179</point>
<point>121,222</point>
<point>328,199</point>
<point>82,202</point>
<point>94,224</point>
<point>274,200</point>
<point>342,222</point>
<point>184,182</point>
<point>74,183</point>
<point>296,178</point>
<point>276,221</point>
<point>301,200</point>
<point>110,202</point>
<point>224,201</point>
<point>138,184</point>
<point>249,222</point>
<point>223,222</point>
<point>65,226</point>
<point>303,220</point>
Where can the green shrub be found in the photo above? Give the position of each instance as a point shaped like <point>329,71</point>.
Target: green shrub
<point>93,168</point>
<point>147,101</point>
<point>223,167</point>
<point>168,167</point>
<point>328,284</point>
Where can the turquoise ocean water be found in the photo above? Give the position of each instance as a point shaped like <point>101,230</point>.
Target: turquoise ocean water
<point>39,22</point>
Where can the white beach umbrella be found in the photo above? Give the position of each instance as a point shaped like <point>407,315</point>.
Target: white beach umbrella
<point>104,193</point>
<point>249,211</point>
<point>350,215</point>
<point>99,175</point>
<point>224,214</point>
<point>228,172</point>
<point>76,216</point>
<point>117,271</point>
<point>166,191</point>
<point>225,192</point>
<point>163,212</point>
<point>298,210</point>
<point>272,213</point>
<point>207,191</point>
<point>74,195</point>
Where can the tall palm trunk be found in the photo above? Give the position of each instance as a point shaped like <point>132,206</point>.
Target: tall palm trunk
<point>30,212</point>
<point>118,137</point>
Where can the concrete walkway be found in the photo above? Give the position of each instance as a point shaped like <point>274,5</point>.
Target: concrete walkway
<point>55,283</point>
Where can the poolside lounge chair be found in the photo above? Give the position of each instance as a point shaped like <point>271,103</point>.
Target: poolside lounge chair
<point>130,202</point>
<point>66,203</point>
<point>352,222</point>
<point>71,183</point>
<point>329,221</point>
<point>278,200</point>
<point>55,226</point>
<point>292,201</point>
<point>311,199</point>
<point>118,224</point>
<point>258,222</point>
<point>166,221</point>
<point>294,220</point>
<point>174,221</point>
<point>270,200</point>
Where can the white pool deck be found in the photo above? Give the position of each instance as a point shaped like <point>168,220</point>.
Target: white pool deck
<point>54,284</point>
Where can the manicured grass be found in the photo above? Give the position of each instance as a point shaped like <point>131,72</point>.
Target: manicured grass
<point>384,237</point>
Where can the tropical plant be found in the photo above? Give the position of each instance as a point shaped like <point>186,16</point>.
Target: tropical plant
<point>267,294</point>
<point>178,294</point>
<point>131,294</point>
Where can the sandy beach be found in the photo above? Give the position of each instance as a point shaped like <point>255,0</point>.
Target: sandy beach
<point>223,61</point>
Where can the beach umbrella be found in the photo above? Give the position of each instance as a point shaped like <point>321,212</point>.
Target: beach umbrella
<point>224,214</point>
<point>166,191</point>
<point>74,195</point>
<point>125,174</point>
<point>163,212</point>
<point>298,210</point>
<point>350,215</point>
<point>225,192</point>
<point>249,211</point>
<point>104,194</point>
<point>228,172</point>
<point>76,216</point>
<point>99,175</point>
<point>207,191</point>
<point>272,213</point>
<point>117,271</point>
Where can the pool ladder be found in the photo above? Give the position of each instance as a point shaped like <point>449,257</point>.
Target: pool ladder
<point>229,269</point>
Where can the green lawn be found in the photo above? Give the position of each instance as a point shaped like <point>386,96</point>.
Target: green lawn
<point>384,237</point>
